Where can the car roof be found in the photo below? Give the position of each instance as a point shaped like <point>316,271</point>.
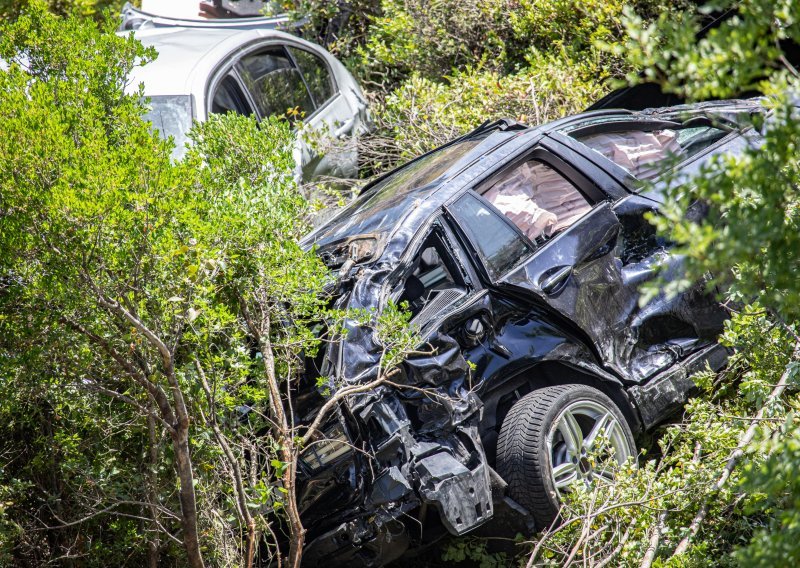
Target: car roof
<point>186,55</point>
<point>408,207</point>
<point>367,215</point>
<point>385,204</point>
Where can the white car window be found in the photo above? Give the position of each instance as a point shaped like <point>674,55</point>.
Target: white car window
<point>275,84</point>
<point>317,76</point>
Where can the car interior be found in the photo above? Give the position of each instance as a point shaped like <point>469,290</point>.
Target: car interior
<point>644,151</point>
<point>435,281</point>
<point>541,202</point>
<point>537,199</point>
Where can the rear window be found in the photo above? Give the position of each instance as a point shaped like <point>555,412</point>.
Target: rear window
<point>275,84</point>
<point>316,74</point>
<point>171,115</point>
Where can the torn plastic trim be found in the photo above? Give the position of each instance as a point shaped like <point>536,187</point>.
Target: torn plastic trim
<point>132,18</point>
<point>359,248</point>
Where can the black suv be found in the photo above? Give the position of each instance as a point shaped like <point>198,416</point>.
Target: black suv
<point>520,252</point>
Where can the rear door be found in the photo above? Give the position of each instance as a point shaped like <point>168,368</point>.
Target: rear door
<point>329,143</point>
<point>574,255</point>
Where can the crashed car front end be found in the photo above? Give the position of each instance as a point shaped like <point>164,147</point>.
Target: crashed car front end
<point>392,454</point>
<point>414,457</point>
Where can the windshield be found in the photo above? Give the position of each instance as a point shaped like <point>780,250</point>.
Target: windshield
<point>171,115</point>
<point>385,203</point>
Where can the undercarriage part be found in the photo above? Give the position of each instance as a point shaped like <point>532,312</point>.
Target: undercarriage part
<point>462,496</point>
<point>366,542</point>
<point>389,486</point>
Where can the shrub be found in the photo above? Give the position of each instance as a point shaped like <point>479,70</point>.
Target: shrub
<point>422,114</point>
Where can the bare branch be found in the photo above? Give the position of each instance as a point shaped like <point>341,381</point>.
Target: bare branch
<point>655,537</point>
<point>340,395</point>
<point>125,398</point>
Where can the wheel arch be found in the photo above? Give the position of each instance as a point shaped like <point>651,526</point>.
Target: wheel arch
<point>498,402</point>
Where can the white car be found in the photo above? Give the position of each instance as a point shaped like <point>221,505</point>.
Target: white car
<point>209,67</point>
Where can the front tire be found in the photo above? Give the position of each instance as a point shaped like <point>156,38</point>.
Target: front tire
<point>547,443</point>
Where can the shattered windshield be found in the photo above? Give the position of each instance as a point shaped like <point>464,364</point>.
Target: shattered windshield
<point>382,205</point>
<point>171,115</point>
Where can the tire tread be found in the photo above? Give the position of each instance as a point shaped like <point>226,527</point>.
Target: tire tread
<point>518,445</point>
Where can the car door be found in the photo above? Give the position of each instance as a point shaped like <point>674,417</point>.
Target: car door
<point>276,87</point>
<point>578,268</point>
<point>329,143</point>
<point>631,151</point>
<point>286,80</point>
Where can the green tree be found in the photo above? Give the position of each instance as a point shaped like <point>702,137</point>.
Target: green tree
<point>10,9</point>
<point>750,239</point>
<point>136,291</point>
<point>725,481</point>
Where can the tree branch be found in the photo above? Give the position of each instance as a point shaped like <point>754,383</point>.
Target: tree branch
<point>125,398</point>
<point>735,456</point>
<point>340,395</point>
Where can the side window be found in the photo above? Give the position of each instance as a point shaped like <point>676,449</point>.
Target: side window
<point>500,247</point>
<point>316,73</point>
<point>645,154</point>
<point>537,199</point>
<point>229,98</point>
<point>275,84</point>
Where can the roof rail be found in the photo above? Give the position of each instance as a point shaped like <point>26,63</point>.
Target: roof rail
<point>135,19</point>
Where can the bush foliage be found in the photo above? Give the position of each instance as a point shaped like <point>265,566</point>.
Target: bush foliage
<point>721,488</point>
<point>436,70</point>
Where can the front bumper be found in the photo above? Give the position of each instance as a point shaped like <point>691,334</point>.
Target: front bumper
<point>410,454</point>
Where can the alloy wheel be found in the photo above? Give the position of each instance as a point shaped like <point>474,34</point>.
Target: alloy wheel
<point>584,443</point>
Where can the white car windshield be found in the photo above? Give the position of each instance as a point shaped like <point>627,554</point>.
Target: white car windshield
<point>171,115</point>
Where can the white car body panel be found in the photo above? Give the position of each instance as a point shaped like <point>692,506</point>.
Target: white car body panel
<point>192,61</point>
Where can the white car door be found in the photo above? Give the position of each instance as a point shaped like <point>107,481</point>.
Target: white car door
<point>328,137</point>
<point>294,82</point>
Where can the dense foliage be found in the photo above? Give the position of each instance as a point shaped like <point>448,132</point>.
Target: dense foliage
<point>10,9</point>
<point>154,316</point>
<point>436,70</point>
<point>721,488</point>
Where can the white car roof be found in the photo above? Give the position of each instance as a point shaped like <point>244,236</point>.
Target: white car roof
<point>188,56</point>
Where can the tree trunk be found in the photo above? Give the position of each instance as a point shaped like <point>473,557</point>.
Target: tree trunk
<point>183,465</point>
<point>297,536</point>
<point>154,543</point>
<point>251,543</point>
